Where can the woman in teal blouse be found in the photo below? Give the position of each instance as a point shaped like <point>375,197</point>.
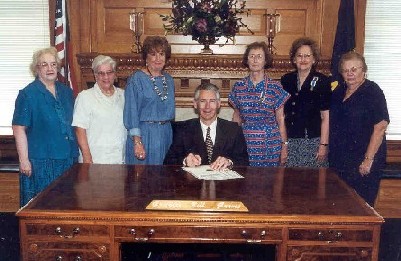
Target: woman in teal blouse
<point>45,140</point>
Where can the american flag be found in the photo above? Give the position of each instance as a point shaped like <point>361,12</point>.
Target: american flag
<point>61,42</point>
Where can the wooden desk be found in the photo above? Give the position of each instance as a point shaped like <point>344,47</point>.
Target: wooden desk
<point>92,209</point>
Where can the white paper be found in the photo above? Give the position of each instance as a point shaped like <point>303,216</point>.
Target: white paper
<point>204,172</point>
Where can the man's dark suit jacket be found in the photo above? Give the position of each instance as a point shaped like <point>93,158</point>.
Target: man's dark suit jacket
<point>188,138</point>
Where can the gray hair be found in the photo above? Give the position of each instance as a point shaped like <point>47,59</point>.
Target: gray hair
<point>33,67</point>
<point>352,55</point>
<point>207,87</point>
<point>103,59</point>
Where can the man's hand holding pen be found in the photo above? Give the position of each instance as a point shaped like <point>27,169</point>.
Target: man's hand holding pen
<point>221,163</point>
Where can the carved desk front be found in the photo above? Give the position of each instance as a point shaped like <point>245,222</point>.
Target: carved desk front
<point>93,210</point>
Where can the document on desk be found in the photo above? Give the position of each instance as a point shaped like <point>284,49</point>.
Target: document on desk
<point>206,173</point>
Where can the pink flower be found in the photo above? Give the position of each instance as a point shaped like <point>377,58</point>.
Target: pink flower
<point>206,6</point>
<point>201,25</point>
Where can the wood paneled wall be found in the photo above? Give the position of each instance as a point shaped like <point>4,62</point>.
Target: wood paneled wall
<point>102,26</point>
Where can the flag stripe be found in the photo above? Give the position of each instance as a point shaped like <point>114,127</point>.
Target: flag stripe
<point>61,42</point>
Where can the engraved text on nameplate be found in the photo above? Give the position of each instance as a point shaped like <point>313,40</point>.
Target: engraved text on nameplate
<point>197,205</point>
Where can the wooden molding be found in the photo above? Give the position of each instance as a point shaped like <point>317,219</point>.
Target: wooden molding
<point>393,151</point>
<point>190,70</point>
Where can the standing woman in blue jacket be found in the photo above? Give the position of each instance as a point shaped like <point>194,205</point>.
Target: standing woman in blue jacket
<point>307,110</point>
<point>45,140</point>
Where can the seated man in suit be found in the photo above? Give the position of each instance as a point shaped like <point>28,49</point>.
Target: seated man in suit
<point>207,139</point>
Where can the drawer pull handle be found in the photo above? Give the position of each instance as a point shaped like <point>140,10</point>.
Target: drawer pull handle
<point>58,231</point>
<point>364,253</point>
<point>75,232</point>
<point>59,258</point>
<point>151,232</point>
<point>263,234</point>
<point>320,235</point>
<point>253,241</point>
<point>244,234</point>
<point>338,235</point>
<point>78,258</point>
<point>132,231</point>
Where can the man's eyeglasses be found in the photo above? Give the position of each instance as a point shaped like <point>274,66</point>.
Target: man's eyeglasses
<point>103,74</point>
<point>352,69</point>
<point>45,64</point>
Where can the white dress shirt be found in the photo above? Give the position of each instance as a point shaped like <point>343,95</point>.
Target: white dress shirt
<point>213,127</point>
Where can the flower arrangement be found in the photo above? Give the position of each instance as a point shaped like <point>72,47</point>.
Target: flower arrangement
<point>205,20</point>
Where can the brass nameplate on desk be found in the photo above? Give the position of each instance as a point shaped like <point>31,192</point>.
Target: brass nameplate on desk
<point>197,205</point>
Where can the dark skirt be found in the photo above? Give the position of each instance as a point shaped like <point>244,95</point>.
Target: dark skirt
<point>366,186</point>
<point>44,172</point>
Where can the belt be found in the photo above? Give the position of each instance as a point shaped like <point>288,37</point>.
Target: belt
<point>157,122</point>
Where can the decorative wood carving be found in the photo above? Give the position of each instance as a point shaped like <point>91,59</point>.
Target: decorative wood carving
<point>100,26</point>
<point>190,70</point>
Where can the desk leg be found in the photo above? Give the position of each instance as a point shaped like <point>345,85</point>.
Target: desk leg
<point>115,251</point>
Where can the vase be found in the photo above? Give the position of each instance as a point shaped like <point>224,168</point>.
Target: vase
<point>206,41</point>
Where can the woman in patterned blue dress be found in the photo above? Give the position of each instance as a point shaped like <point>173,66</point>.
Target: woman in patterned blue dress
<point>150,106</point>
<point>258,103</point>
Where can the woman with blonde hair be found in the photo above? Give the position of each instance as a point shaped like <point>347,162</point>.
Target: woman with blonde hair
<point>45,139</point>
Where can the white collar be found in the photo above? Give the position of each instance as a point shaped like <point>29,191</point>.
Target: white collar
<point>212,126</point>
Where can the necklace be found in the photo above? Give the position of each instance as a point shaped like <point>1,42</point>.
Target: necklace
<point>162,95</point>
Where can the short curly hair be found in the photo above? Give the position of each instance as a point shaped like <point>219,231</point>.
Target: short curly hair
<point>153,43</point>
<point>257,45</point>
<point>103,59</point>
<point>351,55</point>
<point>38,54</point>
<point>298,43</point>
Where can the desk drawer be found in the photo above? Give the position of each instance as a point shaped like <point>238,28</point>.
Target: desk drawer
<point>66,230</point>
<point>200,233</point>
<point>296,253</point>
<point>330,235</point>
<point>53,251</point>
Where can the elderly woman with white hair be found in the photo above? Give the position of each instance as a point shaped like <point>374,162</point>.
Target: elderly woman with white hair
<point>98,117</point>
<point>45,140</point>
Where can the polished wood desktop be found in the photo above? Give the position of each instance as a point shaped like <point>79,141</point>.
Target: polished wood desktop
<point>92,210</point>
